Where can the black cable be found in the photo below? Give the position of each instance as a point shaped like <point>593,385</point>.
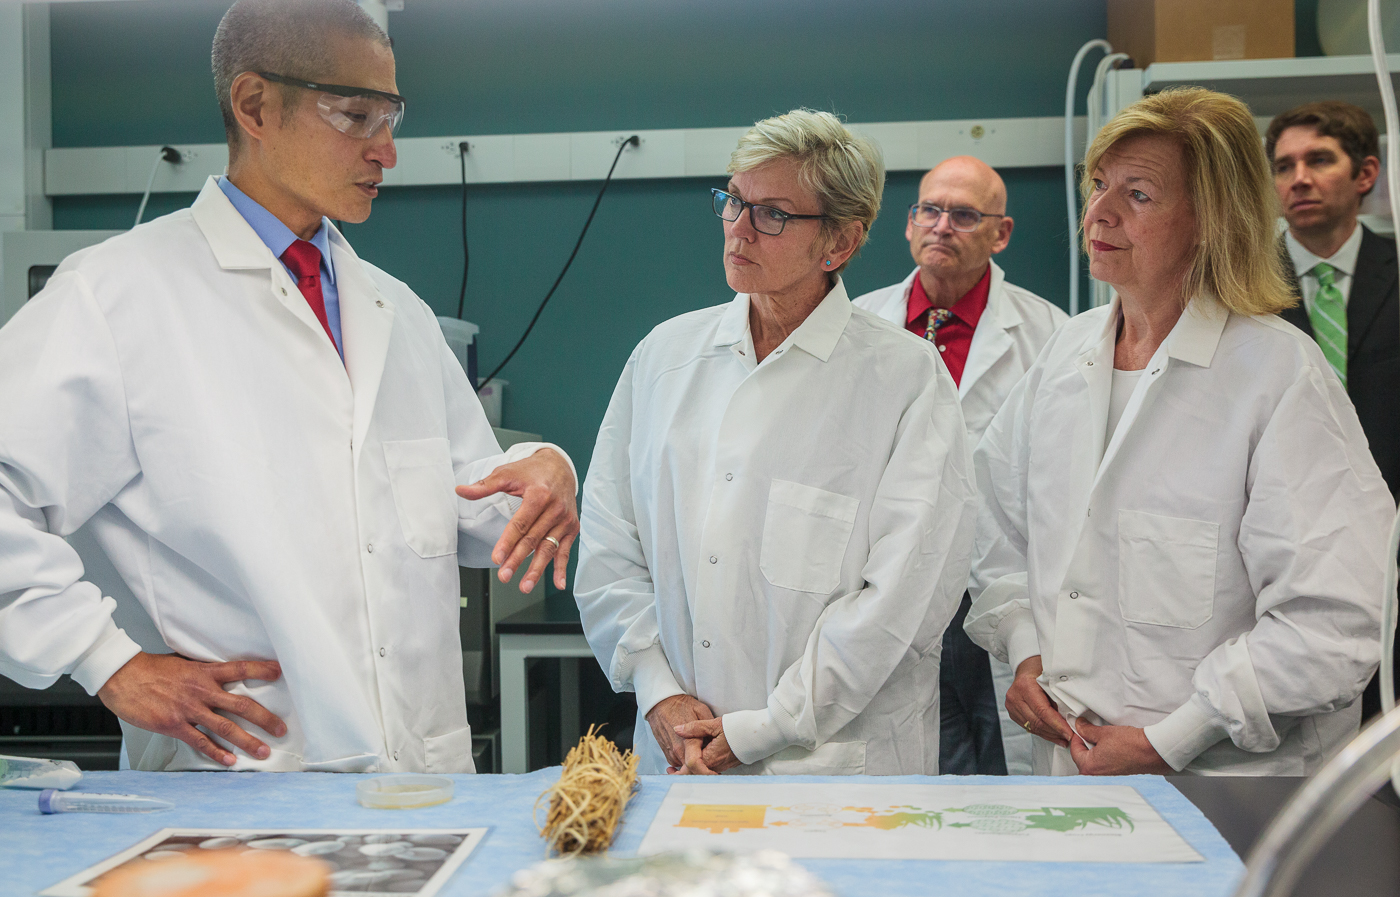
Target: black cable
<point>630,141</point>
<point>466,254</point>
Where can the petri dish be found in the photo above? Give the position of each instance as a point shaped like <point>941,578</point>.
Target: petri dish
<point>403,792</point>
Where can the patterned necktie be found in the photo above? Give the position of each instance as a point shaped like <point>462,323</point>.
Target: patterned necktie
<point>1329,319</point>
<point>937,317</point>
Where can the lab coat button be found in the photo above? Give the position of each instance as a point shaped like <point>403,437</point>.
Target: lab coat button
<point>729,476</point>
<point>396,755</point>
<point>713,559</point>
<point>1074,594</point>
<point>706,644</point>
<point>379,302</point>
<point>284,291</point>
<point>381,652</point>
<point>370,548</point>
<point>1064,678</point>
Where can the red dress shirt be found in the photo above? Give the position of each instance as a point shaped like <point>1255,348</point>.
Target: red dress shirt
<point>954,338</point>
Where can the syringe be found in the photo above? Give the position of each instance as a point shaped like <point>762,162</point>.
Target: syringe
<point>51,801</point>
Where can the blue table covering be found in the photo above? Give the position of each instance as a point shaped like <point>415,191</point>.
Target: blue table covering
<point>38,851</point>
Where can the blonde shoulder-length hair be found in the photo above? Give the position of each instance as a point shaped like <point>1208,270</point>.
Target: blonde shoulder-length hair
<point>845,172</point>
<point>1230,189</point>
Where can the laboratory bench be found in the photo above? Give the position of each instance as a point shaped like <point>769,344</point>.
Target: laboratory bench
<point>38,851</point>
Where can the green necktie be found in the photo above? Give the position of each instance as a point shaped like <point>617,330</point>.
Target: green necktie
<point>1329,319</point>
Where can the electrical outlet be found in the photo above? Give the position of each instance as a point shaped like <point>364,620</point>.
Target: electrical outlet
<point>188,155</point>
<point>619,141</point>
<point>453,147</point>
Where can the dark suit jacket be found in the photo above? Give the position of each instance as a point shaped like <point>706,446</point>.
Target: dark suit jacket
<point>1373,370</point>
<point>1373,349</point>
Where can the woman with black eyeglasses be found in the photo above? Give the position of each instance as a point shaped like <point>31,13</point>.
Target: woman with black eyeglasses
<point>777,518</point>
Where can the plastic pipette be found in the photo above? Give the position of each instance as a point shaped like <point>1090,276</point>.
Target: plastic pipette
<point>51,801</point>
<point>28,772</point>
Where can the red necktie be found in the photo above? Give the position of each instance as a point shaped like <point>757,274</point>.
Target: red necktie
<point>303,259</point>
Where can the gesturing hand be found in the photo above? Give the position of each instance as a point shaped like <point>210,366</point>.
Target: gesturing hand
<point>545,483</point>
<point>670,713</point>
<point>1031,708</point>
<point>1115,751</point>
<point>707,751</point>
<point>169,695</point>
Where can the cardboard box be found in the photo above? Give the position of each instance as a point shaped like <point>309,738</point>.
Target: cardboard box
<point>1194,30</point>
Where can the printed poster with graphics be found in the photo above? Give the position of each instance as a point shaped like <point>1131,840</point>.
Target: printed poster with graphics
<point>1039,823</point>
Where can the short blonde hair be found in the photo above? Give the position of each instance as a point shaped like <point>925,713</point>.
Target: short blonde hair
<point>845,172</point>
<point>1230,189</point>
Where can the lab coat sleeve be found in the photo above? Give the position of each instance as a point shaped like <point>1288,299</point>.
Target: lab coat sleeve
<point>1000,618</point>
<point>65,451</point>
<point>475,454</point>
<point>1313,537</point>
<point>921,523</point>
<point>614,588</point>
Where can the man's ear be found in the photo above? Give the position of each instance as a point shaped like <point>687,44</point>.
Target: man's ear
<point>256,106</point>
<point>1004,228</point>
<point>1366,177</point>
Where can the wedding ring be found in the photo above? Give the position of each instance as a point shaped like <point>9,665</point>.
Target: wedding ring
<point>1027,724</point>
<point>553,541</point>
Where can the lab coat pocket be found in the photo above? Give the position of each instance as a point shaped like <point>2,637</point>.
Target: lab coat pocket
<point>805,534</point>
<point>1166,569</point>
<point>420,473</point>
<point>450,753</point>
<point>845,758</point>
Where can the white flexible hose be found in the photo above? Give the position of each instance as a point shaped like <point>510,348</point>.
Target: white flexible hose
<point>150,182</point>
<point>1392,121</point>
<point>1070,185</point>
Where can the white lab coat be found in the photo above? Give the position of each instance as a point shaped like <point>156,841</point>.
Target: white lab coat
<point>1009,335</point>
<point>783,540</point>
<point>259,498</point>
<point>1214,574</point>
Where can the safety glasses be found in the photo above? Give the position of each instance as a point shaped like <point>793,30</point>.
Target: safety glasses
<point>353,111</point>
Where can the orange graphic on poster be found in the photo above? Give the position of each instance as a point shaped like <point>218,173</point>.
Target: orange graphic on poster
<point>720,818</point>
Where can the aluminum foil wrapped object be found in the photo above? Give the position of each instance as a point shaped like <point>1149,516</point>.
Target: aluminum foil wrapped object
<point>694,873</point>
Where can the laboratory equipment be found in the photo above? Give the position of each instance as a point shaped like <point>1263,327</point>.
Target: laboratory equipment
<point>29,772</point>
<point>461,339</point>
<point>403,792</point>
<point>1071,183</point>
<point>52,801</point>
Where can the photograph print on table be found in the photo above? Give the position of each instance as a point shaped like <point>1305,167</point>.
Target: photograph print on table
<point>363,861</point>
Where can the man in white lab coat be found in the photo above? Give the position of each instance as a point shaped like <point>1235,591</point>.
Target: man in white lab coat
<point>264,433</point>
<point>987,331</point>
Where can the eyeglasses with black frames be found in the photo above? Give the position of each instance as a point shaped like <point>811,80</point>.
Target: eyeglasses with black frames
<point>765,219</point>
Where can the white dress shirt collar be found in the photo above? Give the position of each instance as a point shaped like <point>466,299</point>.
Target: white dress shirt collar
<point>1343,260</point>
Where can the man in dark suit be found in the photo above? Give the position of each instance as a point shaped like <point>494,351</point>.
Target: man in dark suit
<point>1325,158</point>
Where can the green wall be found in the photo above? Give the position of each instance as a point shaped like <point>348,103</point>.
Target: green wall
<point>138,73</point>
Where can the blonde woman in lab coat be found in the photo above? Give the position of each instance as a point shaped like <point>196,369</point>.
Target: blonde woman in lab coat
<point>780,507</point>
<point>1181,538</point>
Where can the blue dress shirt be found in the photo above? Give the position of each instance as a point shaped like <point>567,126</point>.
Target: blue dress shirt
<point>278,237</point>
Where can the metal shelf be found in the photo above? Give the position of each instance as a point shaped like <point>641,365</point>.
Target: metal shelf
<point>1271,86</point>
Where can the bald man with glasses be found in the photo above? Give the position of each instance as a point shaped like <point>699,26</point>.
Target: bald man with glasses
<point>987,332</point>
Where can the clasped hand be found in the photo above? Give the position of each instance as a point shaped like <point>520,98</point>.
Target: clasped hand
<point>691,737</point>
<point>1097,750</point>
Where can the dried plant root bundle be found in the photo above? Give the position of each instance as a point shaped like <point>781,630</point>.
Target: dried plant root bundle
<point>586,804</point>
